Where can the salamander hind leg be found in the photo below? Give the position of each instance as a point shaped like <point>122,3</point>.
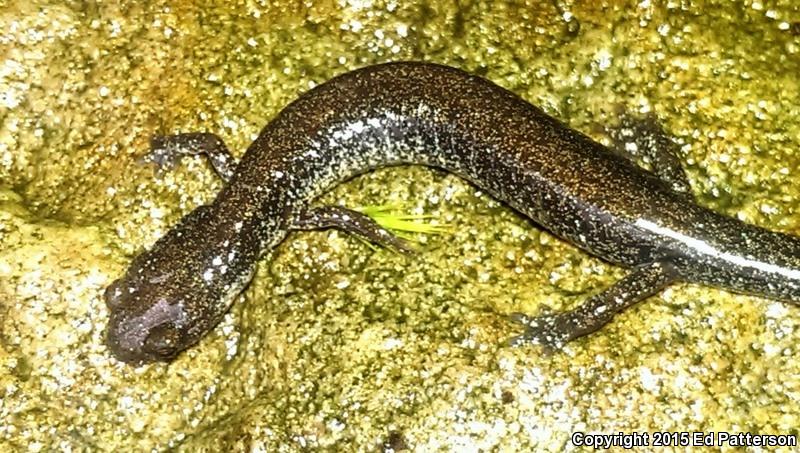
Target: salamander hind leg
<point>643,139</point>
<point>555,330</point>
<point>349,221</point>
<point>167,150</point>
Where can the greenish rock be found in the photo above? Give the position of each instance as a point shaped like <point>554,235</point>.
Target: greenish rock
<point>338,346</point>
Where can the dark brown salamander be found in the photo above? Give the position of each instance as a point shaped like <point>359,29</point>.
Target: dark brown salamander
<point>420,113</point>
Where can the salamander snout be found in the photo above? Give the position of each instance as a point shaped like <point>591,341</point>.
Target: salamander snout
<point>159,344</point>
<point>145,324</point>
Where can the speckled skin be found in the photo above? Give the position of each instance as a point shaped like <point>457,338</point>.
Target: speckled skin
<point>420,113</point>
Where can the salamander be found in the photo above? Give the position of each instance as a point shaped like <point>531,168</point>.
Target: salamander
<point>592,196</point>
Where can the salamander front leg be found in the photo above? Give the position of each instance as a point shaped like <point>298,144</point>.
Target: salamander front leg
<point>167,150</point>
<point>349,221</point>
<point>553,331</point>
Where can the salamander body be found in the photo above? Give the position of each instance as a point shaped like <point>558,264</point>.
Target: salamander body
<point>427,114</point>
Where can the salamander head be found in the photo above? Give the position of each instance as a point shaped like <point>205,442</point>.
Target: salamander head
<point>176,292</point>
<point>148,321</point>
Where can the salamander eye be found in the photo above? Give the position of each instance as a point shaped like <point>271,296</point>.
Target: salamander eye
<point>163,342</point>
<point>113,294</point>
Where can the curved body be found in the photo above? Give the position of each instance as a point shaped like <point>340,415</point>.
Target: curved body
<point>418,113</point>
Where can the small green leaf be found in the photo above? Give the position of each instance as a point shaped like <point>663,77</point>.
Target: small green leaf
<point>392,218</point>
